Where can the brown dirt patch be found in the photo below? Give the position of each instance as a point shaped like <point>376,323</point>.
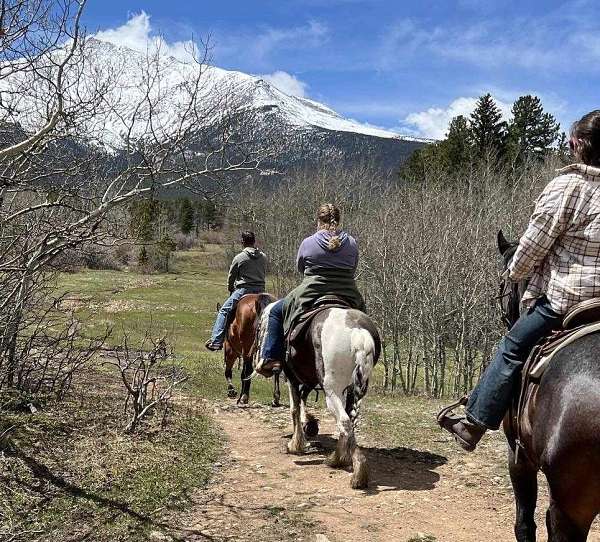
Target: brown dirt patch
<point>262,493</point>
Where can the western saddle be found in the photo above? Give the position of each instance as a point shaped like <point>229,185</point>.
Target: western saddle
<point>580,320</point>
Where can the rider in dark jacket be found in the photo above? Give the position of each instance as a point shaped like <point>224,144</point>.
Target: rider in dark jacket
<point>246,276</point>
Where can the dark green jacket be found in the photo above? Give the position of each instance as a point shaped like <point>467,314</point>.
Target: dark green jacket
<point>248,270</point>
<point>318,283</point>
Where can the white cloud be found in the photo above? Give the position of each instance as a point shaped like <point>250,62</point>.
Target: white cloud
<point>433,123</point>
<point>255,48</point>
<point>557,40</point>
<point>312,34</point>
<point>287,83</point>
<point>137,33</point>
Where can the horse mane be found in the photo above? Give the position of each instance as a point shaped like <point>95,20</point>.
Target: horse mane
<point>509,253</point>
<point>514,291</point>
<point>262,302</point>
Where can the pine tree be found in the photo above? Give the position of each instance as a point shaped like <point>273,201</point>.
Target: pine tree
<point>487,128</point>
<point>186,216</point>
<point>144,214</point>
<point>457,146</point>
<point>531,132</point>
<point>562,147</point>
<point>422,162</point>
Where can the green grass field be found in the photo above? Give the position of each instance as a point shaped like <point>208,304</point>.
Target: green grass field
<point>181,305</point>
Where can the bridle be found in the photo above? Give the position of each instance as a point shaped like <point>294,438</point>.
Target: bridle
<point>510,293</point>
<point>509,300</point>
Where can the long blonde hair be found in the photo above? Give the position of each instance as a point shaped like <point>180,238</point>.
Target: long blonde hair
<point>328,217</point>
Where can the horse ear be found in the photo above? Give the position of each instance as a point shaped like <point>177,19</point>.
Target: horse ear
<point>503,244</point>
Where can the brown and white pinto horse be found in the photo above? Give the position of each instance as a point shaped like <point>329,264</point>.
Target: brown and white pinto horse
<point>240,344</point>
<point>337,352</point>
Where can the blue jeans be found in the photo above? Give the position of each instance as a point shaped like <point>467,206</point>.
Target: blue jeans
<point>492,397</point>
<point>219,329</point>
<point>274,347</point>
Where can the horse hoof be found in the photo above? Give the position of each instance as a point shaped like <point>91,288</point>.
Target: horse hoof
<point>295,449</point>
<point>275,403</point>
<point>360,481</point>
<point>243,400</point>
<point>311,428</point>
<point>231,393</point>
<point>335,461</point>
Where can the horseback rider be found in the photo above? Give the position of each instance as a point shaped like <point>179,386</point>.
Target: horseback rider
<point>560,254</point>
<point>328,260</point>
<point>246,276</point>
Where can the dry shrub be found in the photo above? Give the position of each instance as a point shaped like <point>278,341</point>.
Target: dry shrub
<point>428,266</point>
<point>212,237</point>
<point>184,242</point>
<point>148,378</point>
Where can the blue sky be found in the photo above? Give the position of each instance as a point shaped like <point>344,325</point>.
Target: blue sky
<point>403,65</point>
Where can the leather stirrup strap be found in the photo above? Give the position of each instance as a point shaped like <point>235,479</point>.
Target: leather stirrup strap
<point>446,410</point>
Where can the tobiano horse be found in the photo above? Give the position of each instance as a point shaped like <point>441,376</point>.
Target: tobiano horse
<point>560,434</point>
<point>337,351</point>
<point>240,344</point>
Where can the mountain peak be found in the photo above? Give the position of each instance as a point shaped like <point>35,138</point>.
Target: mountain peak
<point>256,92</point>
<point>142,94</point>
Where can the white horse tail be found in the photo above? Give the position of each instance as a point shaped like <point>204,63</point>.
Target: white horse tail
<point>363,349</point>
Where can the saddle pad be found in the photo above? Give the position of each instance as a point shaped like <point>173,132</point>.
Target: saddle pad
<point>301,325</point>
<point>538,370</point>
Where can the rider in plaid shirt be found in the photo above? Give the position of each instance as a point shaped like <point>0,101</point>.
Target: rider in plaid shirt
<point>560,254</point>
<point>560,250</point>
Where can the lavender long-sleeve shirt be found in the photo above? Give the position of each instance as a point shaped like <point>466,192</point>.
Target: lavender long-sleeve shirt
<point>314,253</point>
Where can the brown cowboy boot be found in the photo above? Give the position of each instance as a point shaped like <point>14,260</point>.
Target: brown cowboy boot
<point>269,367</point>
<point>464,431</point>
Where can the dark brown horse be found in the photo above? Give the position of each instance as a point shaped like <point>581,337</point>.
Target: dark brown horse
<point>560,435</point>
<point>240,344</point>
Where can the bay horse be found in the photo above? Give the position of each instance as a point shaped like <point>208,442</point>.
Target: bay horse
<point>337,352</point>
<point>240,344</point>
<point>560,434</point>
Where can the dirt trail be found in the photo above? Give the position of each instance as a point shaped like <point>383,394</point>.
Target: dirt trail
<point>262,493</point>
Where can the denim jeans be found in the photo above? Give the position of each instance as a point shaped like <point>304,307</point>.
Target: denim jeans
<point>492,397</point>
<point>274,347</point>
<point>219,329</point>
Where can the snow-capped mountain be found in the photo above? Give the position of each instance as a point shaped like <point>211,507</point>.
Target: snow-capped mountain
<point>145,93</point>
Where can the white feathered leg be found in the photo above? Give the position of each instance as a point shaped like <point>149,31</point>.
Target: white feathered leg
<point>297,445</point>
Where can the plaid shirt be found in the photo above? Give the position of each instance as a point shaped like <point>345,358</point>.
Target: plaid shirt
<point>560,250</point>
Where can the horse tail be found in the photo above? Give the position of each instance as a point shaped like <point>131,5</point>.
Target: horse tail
<point>364,352</point>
